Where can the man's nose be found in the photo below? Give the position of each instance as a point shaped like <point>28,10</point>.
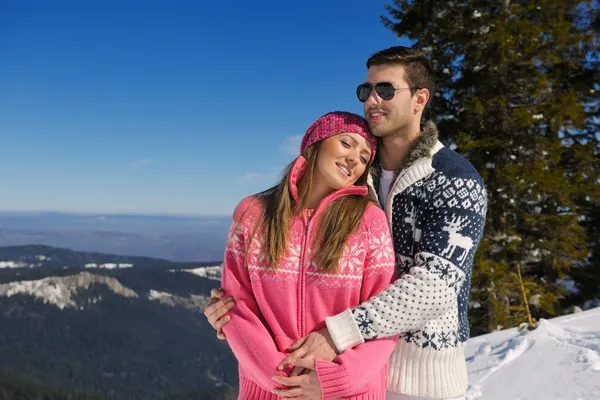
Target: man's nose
<point>373,98</point>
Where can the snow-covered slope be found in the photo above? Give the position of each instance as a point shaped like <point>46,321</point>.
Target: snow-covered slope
<point>558,360</point>
<point>25,262</point>
<point>108,265</point>
<point>61,290</point>
<point>193,302</point>
<point>213,273</point>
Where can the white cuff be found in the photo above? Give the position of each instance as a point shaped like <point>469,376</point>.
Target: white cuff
<point>344,331</point>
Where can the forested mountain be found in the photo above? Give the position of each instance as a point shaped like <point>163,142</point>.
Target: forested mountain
<point>132,332</point>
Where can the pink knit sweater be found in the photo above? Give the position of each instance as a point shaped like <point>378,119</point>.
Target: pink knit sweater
<point>277,306</point>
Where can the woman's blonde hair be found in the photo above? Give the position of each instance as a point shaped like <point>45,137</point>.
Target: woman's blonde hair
<point>339,220</point>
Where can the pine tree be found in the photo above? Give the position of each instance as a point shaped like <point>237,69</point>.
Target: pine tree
<point>518,97</point>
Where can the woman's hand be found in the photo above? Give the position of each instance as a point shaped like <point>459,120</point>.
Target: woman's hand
<point>315,346</point>
<point>301,387</point>
<point>217,309</point>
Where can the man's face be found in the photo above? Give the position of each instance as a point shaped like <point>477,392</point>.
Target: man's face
<point>389,117</point>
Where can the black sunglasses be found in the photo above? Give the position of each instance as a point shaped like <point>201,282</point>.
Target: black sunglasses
<point>385,90</point>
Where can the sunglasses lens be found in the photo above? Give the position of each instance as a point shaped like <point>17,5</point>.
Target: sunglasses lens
<point>363,91</point>
<point>385,90</point>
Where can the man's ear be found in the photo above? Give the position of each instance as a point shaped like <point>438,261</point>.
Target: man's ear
<point>422,98</point>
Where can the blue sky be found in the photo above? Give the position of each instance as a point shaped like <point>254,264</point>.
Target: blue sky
<point>175,107</point>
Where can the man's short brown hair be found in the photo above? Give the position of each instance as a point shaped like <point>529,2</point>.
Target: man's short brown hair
<point>419,73</point>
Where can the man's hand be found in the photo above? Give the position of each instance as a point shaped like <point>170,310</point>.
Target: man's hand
<point>217,309</point>
<point>314,346</point>
<point>302,387</point>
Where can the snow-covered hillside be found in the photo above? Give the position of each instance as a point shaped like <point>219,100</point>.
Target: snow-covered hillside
<point>558,360</point>
<point>213,273</point>
<point>193,302</point>
<point>25,262</point>
<point>108,265</point>
<point>60,291</point>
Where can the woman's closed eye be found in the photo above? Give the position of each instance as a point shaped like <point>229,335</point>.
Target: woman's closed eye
<point>347,145</point>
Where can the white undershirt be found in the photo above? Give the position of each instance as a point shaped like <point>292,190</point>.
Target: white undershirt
<point>387,177</point>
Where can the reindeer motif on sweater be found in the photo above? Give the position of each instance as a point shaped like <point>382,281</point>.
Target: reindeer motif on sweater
<point>455,239</point>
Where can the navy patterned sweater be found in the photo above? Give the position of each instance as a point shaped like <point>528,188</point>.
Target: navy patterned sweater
<point>436,209</point>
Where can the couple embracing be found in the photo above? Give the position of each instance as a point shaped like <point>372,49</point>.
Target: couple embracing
<point>350,278</point>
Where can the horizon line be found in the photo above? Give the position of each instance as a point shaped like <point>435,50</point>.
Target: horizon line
<point>115,213</point>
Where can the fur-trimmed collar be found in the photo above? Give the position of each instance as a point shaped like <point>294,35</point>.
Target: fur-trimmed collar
<point>421,148</point>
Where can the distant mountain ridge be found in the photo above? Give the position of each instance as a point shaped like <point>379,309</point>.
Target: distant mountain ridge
<point>34,256</point>
<point>175,238</point>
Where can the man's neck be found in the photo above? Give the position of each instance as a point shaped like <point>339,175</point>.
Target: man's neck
<point>395,149</point>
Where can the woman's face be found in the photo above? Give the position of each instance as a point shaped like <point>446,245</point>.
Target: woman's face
<point>342,159</point>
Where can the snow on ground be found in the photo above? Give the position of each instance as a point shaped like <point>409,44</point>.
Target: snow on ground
<point>558,360</point>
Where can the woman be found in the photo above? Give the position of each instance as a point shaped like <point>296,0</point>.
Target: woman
<point>310,247</point>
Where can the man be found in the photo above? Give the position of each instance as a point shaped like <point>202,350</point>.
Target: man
<point>435,203</point>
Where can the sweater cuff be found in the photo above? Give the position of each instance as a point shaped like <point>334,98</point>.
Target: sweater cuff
<point>344,331</point>
<point>333,379</point>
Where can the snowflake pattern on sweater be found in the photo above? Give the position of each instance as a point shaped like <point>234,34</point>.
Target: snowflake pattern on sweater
<point>368,253</point>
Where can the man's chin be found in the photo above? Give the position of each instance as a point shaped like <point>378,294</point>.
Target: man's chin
<point>379,132</point>
<point>377,128</point>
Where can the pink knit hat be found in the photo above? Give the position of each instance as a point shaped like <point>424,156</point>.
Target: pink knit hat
<point>337,122</point>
